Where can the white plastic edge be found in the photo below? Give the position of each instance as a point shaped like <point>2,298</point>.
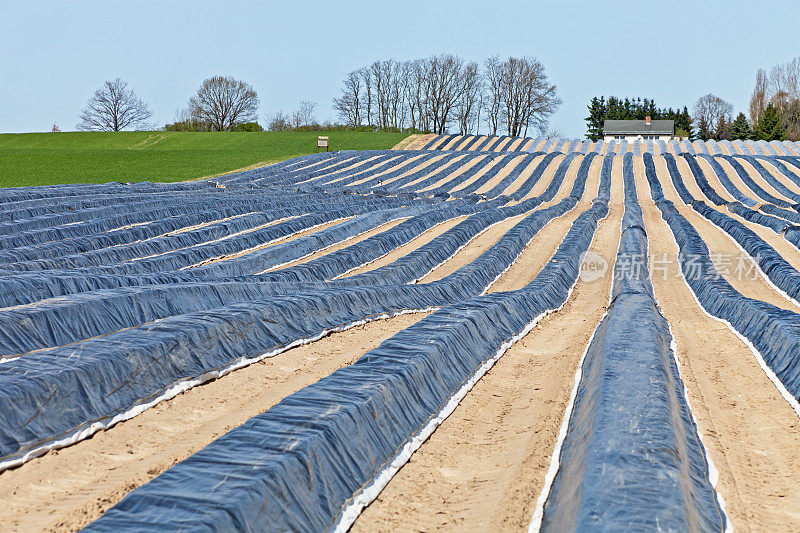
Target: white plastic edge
<point>182,386</point>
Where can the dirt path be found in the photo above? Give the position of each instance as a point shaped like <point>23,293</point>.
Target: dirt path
<point>515,145</point>
<point>713,180</point>
<point>546,242</point>
<point>763,182</point>
<point>787,250</point>
<point>544,183</point>
<point>501,175</point>
<point>524,175</point>
<point>66,489</point>
<point>476,177</point>
<point>442,170</point>
<point>413,142</point>
<point>341,244</point>
<point>410,246</point>
<point>721,246</point>
<point>451,178</point>
<point>501,146</point>
<point>396,160</point>
<point>418,168</point>
<point>474,249</point>
<point>789,184</point>
<point>483,468</point>
<point>282,240</point>
<point>750,431</point>
<point>541,185</point>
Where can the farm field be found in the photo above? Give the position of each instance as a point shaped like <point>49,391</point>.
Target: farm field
<point>467,332</point>
<point>80,157</point>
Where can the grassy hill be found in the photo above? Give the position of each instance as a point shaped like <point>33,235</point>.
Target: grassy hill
<point>77,157</point>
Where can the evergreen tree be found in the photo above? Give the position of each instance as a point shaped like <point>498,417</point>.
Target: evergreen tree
<point>686,123</point>
<point>594,122</point>
<point>614,108</point>
<point>769,125</point>
<point>703,132</point>
<point>722,131</point>
<point>740,128</point>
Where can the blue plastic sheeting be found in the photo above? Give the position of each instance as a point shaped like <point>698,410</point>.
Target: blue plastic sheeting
<point>728,145</point>
<point>632,458</point>
<point>727,183</point>
<point>778,225</point>
<point>772,180</point>
<point>702,182</point>
<point>469,143</point>
<point>753,147</point>
<point>773,331</point>
<point>779,147</point>
<point>429,144</point>
<point>766,148</point>
<point>783,169</point>
<point>755,187</point>
<point>301,469</point>
<point>176,331</point>
<point>677,180</point>
<point>779,271</point>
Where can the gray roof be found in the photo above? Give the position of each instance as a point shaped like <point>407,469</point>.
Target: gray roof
<point>638,127</point>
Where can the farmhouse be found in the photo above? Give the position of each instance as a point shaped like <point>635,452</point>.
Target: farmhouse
<point>633,130</point>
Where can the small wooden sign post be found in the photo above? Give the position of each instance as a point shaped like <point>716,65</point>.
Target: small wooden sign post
<point>322,142</point>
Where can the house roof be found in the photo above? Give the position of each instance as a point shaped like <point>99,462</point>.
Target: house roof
<point>638,127</point>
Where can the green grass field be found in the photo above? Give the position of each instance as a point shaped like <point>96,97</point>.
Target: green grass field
<point>75,157</point>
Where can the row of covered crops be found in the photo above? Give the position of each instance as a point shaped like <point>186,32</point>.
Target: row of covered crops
<point>116,297</point>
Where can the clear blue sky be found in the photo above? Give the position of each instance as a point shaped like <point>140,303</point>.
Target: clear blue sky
<point>53,54</point>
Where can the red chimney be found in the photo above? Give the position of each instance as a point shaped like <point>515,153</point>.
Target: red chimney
<point>646,121</point>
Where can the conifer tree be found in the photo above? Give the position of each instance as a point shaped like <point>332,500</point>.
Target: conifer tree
<point>722,131</point>
<point>740,128</point>
<point>769,125</point>
<point>703,132</point>
<point>594,122</point>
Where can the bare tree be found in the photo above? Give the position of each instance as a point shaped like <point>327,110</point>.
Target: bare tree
<point>527,96</point>
<point>467,105</point>
<point>348,105</point>
<point>758,100</point>
<point>279,122</point>
<point>382,73</point>
<point>397,95</point>
<point>223,101</point>
<point>113,107</point>
<point>493,97</point>
<point>443,89</point>
<point>781,88</point>
<point>366,77</point>
<point>305,113</point>
<point>711,109</point>
<point>417,95</point>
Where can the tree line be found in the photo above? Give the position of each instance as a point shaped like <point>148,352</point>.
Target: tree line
<point>222,103</point>
<point>436,94</point>
<point>444,92</point>
<point>774,112</point>
<point>615,108</point>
